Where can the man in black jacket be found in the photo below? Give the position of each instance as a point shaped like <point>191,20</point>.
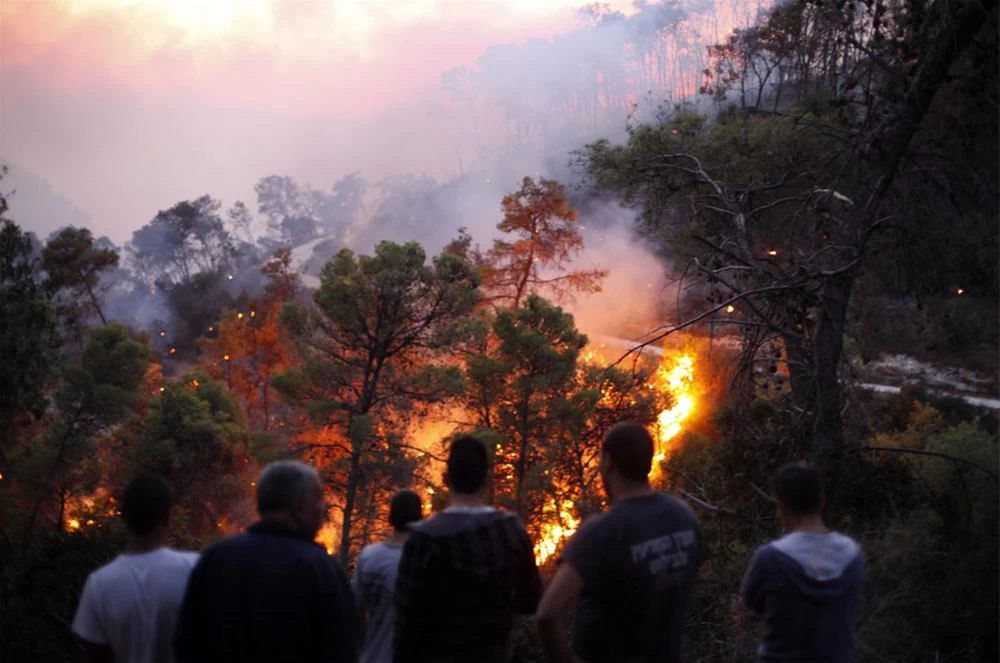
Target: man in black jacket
<point>272,593</point>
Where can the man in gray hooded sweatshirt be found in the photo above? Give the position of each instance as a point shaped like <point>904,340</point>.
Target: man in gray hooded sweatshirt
<point>807,585</point>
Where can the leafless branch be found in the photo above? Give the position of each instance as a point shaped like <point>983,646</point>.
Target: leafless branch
<point>934,454</point>
<point>701,316</point>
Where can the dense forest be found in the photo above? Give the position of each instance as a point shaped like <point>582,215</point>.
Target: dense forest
<point>831,198</point>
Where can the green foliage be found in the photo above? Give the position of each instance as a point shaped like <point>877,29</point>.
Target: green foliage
<point>545,411</point>
<point>927,525</point>
<point>39,599</point>
<point>196,302</point>
<point>74,265</point>
<point>29,337</point>
<point>194,435</point>
<point>94,395</point>
<point>941,542</point>
<point>371,353</point>
<point>43,565</point>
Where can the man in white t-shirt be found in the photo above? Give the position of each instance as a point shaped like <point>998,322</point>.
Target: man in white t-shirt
<point>375,578</point>
<point>129,607</point>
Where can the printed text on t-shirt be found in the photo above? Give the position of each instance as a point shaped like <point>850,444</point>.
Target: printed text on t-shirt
<point>666,552</point>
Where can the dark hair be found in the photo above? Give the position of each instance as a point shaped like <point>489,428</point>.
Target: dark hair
<point>146,504</point>
<point>404,508</point>
<point>630,447</point>
<point>799,487</point>
<point>468,464</point>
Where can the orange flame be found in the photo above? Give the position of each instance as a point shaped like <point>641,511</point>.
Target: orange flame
<point>561,525</point>
<point>327,537</point>
<point>674,376</point>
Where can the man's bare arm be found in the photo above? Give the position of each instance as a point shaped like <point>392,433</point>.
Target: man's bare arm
<point>562,592</point>
<point>95,653</point>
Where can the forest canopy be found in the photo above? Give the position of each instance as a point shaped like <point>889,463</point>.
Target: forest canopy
<point>826,206</point>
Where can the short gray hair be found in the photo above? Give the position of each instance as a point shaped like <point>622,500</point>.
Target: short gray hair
<point>284,484</point>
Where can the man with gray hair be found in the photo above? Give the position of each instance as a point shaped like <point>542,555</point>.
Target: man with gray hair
<point>271,593</point>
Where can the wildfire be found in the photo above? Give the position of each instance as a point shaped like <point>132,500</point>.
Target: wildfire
<point>561,525</point>
<point>674,376</point>
<point>88,511</point>
<point>327,537</point>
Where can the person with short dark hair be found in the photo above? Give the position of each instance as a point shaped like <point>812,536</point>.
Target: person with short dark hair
<point>375,578</point>
<point>129,607</point>
<point>630,570</point>
<point>271,593</point>
<point>464,573</point>
<point>807,585</point>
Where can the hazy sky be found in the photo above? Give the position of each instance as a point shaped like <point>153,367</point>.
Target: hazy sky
<point>127,106</point>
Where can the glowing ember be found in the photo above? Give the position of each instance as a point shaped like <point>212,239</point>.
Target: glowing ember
<point>561,526</point>
<point>772,252</point>
<point>960,291</point>
<point>74,523</point>
<point>173,351</point>
<point>730,308</point>
<point>225,357</point>
<point>239,316</point>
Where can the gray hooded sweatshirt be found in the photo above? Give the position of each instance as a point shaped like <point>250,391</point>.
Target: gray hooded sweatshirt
<point>807,589</point>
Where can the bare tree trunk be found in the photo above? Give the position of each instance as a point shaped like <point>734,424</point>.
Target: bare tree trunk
<point>349,499</point>
<point>93,300</point>
<point>963,23</point>
<point>828,346</point>
<point>266,403</point>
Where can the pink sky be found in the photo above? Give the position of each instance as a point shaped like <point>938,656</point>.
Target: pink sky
<point>128,106</point>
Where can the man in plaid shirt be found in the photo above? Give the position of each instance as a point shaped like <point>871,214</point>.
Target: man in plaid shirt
<point>463,573</point>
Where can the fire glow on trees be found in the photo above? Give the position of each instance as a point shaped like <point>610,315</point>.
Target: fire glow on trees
<point>674,377</point>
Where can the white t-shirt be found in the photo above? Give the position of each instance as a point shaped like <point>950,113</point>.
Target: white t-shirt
<point>132,603</point>
<point>374,585</point>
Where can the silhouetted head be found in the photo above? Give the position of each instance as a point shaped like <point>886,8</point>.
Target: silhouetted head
<point>626,456</point>
<point>292,491</point>
<point>405,508</point>
<point>146,506</point>
<point>468,465</point>
<point>798,488</point>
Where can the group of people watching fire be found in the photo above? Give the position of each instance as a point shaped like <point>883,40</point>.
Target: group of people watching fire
<point>445,589</point>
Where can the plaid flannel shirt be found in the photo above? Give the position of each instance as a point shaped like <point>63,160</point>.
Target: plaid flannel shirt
<point>461,577</point>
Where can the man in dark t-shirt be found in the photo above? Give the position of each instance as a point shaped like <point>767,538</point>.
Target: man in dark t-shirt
<point>630,570</point>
